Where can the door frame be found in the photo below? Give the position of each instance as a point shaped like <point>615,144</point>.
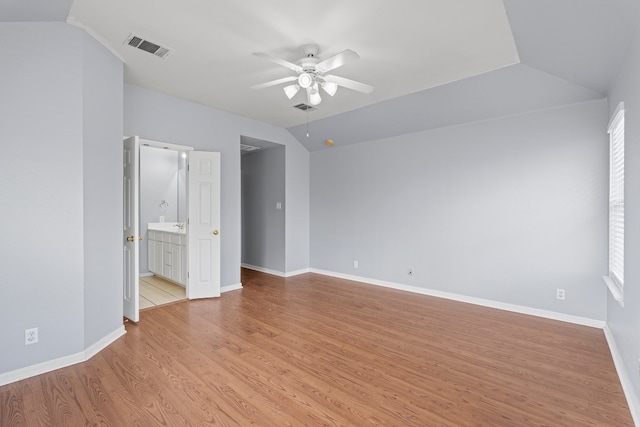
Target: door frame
<point>131,229</point>
<point>136,245</point>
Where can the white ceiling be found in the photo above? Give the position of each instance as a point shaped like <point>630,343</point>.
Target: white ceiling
<point>433,63</point>
<point>405,46</point>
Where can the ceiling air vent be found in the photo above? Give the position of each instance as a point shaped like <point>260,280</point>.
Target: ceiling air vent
<point>305,107</point>
<point>147,46</point>
<point>248,148</point>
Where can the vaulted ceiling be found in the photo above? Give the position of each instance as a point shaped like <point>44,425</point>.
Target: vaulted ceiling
<point>432,63</point>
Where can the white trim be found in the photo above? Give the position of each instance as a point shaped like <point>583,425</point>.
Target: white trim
<point>584,321</point>
<point>263,270</point>
<point>615,290</point>
<point>297,272</point>
<point>229,288</point>
<point>146,274</point>
<point>102,343</point>
<point>61,362</point>
<point>627,387</point>
<point>41,368</point>
<point>274,272</point>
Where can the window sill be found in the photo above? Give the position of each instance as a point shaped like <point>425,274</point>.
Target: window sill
<point>615,290</point>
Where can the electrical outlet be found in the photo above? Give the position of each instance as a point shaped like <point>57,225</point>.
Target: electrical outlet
<point>355,264</point>
<point>410,272</point>
<point>30,336</point>
<point>560,294</point>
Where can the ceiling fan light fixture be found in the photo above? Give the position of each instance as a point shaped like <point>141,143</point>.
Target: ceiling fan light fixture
<point>305,80</point>
<point>330,87</point>
<point>291,90</point>
<point>314,95</point>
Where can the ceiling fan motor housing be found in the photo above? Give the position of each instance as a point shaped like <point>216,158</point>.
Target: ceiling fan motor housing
<point>309,64</point>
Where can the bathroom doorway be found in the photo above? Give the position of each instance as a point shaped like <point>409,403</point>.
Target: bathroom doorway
<point>186,252</point>
<point>163,209</point>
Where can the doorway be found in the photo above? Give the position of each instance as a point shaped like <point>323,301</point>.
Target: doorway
<point>263,205</point>
<point>191,256</point>
<point>163,209</point>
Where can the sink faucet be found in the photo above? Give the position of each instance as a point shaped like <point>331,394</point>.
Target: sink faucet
<point>180,225</point>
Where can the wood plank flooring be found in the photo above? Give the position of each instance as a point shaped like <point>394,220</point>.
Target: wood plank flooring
<point>312,350</point>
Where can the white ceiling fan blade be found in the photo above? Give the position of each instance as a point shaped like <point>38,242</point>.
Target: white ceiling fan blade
<point>349,84</point>
<point>337,61</point>
<point>275,82</point>
<point>287,64</point>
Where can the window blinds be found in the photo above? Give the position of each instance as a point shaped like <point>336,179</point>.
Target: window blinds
<point>616,199</point>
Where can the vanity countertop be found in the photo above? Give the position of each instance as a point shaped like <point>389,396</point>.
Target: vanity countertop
<point>170,227</point>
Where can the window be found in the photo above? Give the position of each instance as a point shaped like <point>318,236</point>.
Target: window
<point>615,277</point>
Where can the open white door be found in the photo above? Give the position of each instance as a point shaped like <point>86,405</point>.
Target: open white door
<point>131,232</point>
<point>203,210</point>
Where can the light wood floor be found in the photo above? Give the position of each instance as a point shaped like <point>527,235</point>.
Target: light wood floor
<point>311,350</point>
<point>156,291</point>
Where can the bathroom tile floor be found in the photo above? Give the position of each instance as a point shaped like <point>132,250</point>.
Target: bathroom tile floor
<point>156,291</point>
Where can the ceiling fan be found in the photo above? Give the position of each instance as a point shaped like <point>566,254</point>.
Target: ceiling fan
<point>311,74</point>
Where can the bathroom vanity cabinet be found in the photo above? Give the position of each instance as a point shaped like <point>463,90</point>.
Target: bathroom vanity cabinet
<point>167,251</point>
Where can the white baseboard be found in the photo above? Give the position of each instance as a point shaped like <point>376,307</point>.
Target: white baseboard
<point>146,274</point>
<point>263,270</point>
<point>632,399</point>
<point>61,362</point>
<point>228,288</point>
<point>471,300</point>
<point>41,368</point>
<point>274,272</point>
<point>297,272</point>
<point>102,343</point>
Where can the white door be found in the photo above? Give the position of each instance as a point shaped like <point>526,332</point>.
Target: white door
<point>203,211</point>
<point>131,253</point>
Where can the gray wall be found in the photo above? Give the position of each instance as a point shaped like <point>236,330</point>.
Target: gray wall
<point>263,226</point>
<point>61,191</point>
<point>159,179</point>
<point>506,209</point>
<point>624,323</point>
<point>102,185</point>
<point>61,125</point>
<point>155,116</point>
<point>297,219</point>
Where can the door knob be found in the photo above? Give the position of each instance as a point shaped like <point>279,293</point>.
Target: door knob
<point>139,237</point>
<point>215,232</point>
<point>130,239</point>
